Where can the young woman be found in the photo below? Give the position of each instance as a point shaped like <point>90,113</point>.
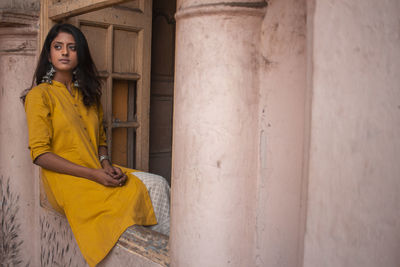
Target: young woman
<point>67,139</point>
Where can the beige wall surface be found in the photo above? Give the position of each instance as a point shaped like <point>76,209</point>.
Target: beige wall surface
<point>282,127</point>
<point>18,211</point>
<point>354,182</point>
<point>20,4</point>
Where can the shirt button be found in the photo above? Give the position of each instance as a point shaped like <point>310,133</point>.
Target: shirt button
<point>75,105</point>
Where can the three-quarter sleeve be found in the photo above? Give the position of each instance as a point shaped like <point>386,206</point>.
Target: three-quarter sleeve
<point>38,116</point>
<point>102,133</point>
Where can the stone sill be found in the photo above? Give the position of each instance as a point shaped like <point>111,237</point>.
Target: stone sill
<point>137,246</point>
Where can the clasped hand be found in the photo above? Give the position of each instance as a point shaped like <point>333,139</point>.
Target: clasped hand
<point>110,176</point>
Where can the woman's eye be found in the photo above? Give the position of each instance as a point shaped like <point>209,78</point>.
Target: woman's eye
<point>57,47</point>
<point>72,47</point>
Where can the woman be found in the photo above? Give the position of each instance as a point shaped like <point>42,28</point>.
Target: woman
<point>67,140</point>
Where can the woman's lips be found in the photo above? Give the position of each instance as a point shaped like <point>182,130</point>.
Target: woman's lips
<point>65,61</point>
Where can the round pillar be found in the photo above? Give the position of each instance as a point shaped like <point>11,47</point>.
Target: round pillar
<point>215,139</point>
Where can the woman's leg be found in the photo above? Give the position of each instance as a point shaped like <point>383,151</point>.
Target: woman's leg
<point>159,192</point>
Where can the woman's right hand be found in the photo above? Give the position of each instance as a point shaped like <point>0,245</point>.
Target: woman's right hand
<point>58,164</point>
<point>102,177</point>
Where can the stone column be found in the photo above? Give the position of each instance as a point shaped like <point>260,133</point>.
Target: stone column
<point>215,139</point>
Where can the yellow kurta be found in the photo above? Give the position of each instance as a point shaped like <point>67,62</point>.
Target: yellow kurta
<point>60,123</point>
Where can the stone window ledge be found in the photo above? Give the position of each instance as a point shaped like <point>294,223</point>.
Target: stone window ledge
<point>137,246</point>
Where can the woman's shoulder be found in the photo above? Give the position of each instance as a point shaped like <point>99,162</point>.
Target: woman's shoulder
<point>40,92</point>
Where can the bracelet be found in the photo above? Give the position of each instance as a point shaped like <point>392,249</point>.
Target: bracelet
<point>103,157</point>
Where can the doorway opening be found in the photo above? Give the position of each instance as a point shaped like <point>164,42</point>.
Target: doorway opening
<point>162,87</point>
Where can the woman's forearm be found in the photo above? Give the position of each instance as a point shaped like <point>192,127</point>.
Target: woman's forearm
<point>58,164</point>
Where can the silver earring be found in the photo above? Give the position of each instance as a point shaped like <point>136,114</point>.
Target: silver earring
<point>48,77</point>
<point>74,78</point>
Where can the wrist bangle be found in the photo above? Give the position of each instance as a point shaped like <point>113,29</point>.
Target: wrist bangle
<point>103,157</point>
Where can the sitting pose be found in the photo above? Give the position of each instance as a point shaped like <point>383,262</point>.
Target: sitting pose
<point>67,139</point>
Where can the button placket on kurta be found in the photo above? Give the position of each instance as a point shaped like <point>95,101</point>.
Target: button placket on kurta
<point>73,96</point>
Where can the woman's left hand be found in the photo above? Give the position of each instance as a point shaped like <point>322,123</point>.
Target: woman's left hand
<point>115,173</point>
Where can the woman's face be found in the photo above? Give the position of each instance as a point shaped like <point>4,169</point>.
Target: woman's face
<point>63,54</point>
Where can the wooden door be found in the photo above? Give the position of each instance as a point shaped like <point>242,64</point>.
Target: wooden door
<point>119,37</point>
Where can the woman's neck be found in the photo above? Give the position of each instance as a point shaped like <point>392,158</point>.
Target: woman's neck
<point>64,78</point>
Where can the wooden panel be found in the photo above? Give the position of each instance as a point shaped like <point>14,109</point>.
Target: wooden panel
<point>60,9</point>
<point>163,46</point>
<point>162,85</point>
<point>126,76</point>
<point>119,152</point>
<point>132,118</point>
<point>128,18</point>
<point>125,46</point>
<point>109,85</point>
<point>134,5</point>
<point>160,163</point>
<point>120,100</point>
<point>96,37</point>
<point>45,22</point>
<point>160,124</point>
<point>104,96</point>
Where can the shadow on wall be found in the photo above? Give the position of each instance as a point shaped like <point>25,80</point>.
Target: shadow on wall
<point>10,242</point>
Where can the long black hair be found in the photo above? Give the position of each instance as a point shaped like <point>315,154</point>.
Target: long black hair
<point>86,72</point>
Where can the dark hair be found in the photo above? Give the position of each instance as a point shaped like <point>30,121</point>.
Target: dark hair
<point>86,74</point>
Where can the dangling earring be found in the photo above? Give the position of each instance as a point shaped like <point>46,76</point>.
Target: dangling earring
<point>48,77</point>
<point>74,77</point>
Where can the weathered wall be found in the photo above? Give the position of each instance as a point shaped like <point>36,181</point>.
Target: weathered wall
<point>282,127</point>
<point>29,235</point>
<point>18,211</point>
<point>20,4</point>
<point>354,182</point>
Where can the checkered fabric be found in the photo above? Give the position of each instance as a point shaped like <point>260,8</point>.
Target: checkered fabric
<point>159,192</point>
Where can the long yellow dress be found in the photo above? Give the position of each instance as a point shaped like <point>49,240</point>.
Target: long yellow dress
<point>59,122</point>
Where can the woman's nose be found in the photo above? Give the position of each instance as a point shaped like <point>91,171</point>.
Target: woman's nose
<point>64,51</point>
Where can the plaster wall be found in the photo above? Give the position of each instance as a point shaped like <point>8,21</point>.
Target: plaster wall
<point>354,185</point>
<point>18,190</point>
<point>25,5</point>
<point>282,127</point>
<point>18,193</point>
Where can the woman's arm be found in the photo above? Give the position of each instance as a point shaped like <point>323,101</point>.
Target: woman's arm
<point>58,164</point>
